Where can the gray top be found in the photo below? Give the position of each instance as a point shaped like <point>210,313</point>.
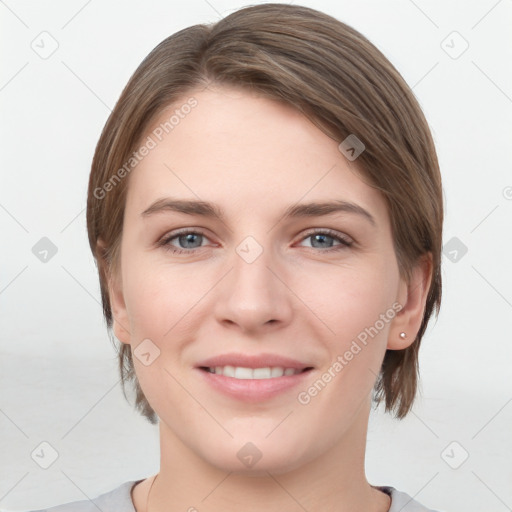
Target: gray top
<point>119,500</point>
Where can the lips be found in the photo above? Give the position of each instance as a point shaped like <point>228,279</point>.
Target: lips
<point>253,378</point>
<point>253,361</point>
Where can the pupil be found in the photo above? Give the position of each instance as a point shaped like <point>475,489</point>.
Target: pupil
<point>321,238</point>
<point>189,237</point>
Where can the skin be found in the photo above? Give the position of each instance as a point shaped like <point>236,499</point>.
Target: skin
<point>253,157</point>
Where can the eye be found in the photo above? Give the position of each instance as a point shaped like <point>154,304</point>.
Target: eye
<point>323,239</point>
<point>188,240</point>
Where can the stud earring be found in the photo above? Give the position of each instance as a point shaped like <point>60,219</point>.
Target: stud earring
<point>403,335</point>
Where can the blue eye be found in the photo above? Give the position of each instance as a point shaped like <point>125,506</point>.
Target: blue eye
<point>191,240</point>
<point>185,238</point>
<point>323,238</point>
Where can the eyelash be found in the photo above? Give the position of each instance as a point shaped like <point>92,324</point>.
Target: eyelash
<point>165,242</point>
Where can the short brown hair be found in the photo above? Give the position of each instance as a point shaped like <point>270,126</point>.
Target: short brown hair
<point>343,84</point>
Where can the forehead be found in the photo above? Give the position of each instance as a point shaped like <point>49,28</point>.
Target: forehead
<point>236,148</point>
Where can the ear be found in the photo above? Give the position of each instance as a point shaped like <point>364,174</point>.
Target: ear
<point>412,297</point>
<point>115,291</point>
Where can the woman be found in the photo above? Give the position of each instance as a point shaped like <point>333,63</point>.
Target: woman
<point>265,208</point>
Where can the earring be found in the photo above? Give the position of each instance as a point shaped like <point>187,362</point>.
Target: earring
<point>403,335</point>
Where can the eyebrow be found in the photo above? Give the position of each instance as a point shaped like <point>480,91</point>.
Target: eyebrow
<point>210,210</point>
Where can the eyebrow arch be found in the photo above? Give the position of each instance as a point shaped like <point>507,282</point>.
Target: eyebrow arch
<point>210,210</point>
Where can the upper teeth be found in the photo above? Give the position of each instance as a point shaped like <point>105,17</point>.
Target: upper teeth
<point>239,372</point>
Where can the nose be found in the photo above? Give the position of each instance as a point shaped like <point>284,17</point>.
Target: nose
<point>254,296</point>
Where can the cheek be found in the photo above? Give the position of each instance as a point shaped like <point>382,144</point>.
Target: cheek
<point>356,310</point>
<point>159,302</point>
<point>159,298</point>
<point>347,300</point>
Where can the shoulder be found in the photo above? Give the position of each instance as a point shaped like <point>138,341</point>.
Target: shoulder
<point>402,502</point>
<point>120,499</point>
<point>112,501</point>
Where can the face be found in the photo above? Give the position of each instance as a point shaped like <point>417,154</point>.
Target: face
<point>223,265</point>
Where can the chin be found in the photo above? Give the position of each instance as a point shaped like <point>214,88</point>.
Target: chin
<point>255,458</point>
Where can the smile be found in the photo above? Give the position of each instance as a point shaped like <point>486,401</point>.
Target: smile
<point>240,372</point>
<point>253,384</point>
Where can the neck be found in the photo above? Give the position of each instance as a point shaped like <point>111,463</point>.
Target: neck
<point>334,481</point>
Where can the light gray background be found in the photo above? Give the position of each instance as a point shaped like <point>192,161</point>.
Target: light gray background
<point>59,381</point>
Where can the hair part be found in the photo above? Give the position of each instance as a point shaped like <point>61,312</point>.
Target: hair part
<point>342,83</point>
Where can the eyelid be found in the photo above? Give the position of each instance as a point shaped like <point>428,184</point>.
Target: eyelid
<point>166,239</point>
<point>342,237</point>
